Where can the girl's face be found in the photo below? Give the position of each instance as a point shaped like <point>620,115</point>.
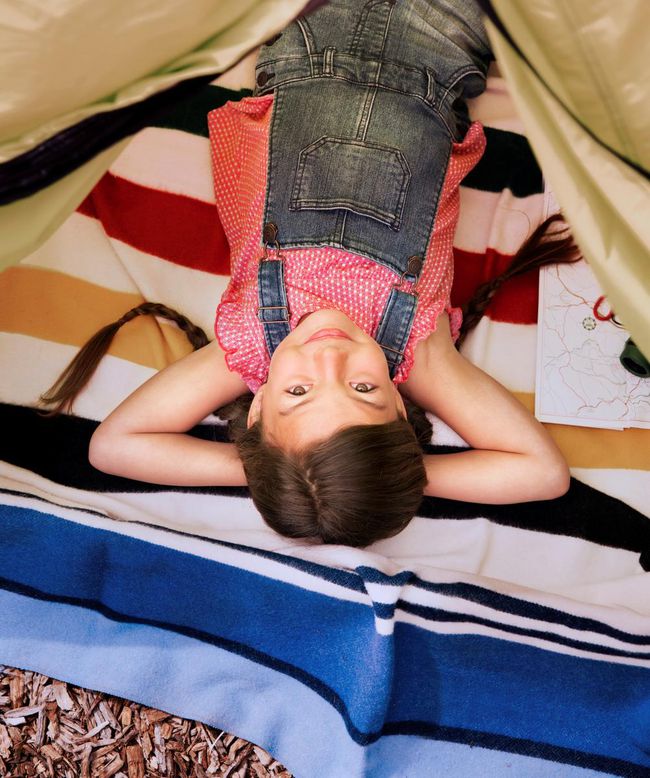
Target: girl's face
<point>327,374</point>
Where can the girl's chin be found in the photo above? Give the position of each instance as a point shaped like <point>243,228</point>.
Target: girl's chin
<point>325,313</point>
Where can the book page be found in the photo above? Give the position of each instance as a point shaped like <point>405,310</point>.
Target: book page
<point>580,379</point>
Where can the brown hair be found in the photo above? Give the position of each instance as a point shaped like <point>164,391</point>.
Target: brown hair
<point>550,244</point>
<point>363,484</point>
<point>366,481</point>
<point>77,374</point>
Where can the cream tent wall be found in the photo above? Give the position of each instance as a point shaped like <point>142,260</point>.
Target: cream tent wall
<point>580,81</point>
<point>65,61</point>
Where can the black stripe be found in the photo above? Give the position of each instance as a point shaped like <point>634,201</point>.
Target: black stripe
<point>514,745</point>
<point>355,581</point>
<point>443,616</point>
<point>520,607</point>
<point>35,442</point>
<point>508,163</point>
<point>177,107</point>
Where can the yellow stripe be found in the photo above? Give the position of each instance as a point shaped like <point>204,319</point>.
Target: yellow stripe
<point>589,447</point>
<point>53,306</point>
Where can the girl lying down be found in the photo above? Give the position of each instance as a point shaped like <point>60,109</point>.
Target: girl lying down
<point>337,187</point>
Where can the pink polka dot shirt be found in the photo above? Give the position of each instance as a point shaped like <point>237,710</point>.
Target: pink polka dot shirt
<point>319,277</point>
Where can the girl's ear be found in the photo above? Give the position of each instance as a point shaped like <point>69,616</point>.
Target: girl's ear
<point>255,411</point>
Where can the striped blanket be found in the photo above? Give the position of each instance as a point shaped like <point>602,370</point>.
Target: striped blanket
<point>482,641</point>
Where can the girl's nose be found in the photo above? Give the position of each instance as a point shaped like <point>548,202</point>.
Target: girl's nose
<point>331,360</point>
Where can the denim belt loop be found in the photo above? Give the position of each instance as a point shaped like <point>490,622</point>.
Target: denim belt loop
<point>430,96</point>
<point>328,59</point>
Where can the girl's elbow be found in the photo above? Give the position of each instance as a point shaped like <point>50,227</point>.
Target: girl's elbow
<point>557,479</point>
<point>101,451</point>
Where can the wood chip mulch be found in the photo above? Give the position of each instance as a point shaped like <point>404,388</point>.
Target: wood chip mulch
<point>53,729</point>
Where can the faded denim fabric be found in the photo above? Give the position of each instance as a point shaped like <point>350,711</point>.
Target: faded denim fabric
<point>369,97</point>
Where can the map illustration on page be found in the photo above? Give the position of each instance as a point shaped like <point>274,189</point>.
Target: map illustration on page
<point>580,379</point>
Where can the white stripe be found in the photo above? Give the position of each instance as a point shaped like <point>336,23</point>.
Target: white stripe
<point>36,364</point>
<point>194,293</point>
<point>505,351</point>
<point>459,628</point>
<point>80,248</point>
<point>630,486</point>
<point>458,605</point>
<point>169,160</point>
<point>496,219</point>
<point>555,564</point>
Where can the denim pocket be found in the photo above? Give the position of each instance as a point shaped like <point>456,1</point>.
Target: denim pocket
<point>367,178</point>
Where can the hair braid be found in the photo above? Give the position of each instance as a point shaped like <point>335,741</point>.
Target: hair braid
<point>544,247</point>
<point>77,374</point>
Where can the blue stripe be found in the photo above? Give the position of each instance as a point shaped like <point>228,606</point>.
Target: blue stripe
<point>130,660</point>
<point>462,682</point>
<point>470,592</point>
<point>186,677</point>
<point>502,692</point>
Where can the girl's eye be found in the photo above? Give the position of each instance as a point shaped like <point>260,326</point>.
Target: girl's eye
<point>297,391</point>
<point>363,388</point>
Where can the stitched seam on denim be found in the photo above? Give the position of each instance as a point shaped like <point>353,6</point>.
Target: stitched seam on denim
<point>394,222</point>
<point>271,291</point>
<point>363,83</point>
<point>459,75</point>
<point>396,337</point>
<point>308,37</point>
<point>431,88</point>
<point>277,102</point>
<point>373,94</point>
<point>393,219</point>
<point>436,199</point>
<point>344,56</point>
<point>328,56</point>
<point>361,23</point>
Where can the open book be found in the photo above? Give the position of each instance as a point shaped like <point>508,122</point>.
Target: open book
<point>580,379</point>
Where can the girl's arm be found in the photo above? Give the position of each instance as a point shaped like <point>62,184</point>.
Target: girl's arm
<point>143,437</point>
<point>514,458</point>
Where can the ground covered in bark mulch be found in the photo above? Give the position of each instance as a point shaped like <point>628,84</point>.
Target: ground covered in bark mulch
<point>53,729</point>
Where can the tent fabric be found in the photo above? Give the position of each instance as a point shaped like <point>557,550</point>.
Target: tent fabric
<point>67,62</point>
<point>583,94</point>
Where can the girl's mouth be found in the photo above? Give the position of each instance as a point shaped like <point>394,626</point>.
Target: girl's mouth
<point>328,333</point>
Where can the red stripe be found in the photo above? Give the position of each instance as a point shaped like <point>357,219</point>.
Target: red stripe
<point>179,229</point>
<point>515,302</point>
<point>188,232</point>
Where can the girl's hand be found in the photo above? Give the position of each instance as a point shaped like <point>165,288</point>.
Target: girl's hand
<point>514,458</point>
<point>143,438</point>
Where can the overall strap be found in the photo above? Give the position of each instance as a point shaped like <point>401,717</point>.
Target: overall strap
<point>395,327</point>
<point>273,309</point>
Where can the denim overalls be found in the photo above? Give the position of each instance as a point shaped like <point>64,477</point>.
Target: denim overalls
<point>369,96</point>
